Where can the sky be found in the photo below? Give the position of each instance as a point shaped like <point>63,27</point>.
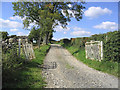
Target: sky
<point>98,18</point>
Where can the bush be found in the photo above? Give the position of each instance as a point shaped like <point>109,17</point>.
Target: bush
<point>10,62</point>
<point>111,44</point>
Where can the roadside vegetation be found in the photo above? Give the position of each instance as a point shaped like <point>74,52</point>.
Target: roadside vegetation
<point>104,66</point>
<point>45,16</point>
<point>27,74</point>
<point>110,62</point>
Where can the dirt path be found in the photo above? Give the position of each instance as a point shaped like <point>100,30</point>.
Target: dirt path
<point>62,70</point>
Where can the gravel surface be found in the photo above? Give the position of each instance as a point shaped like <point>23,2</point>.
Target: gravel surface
<point>62,70</point>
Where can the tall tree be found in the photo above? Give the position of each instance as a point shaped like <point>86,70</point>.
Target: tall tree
<point>34,33</point>
<point>48,14</point>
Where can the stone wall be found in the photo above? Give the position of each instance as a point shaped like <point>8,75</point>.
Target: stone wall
<point>27,48</point>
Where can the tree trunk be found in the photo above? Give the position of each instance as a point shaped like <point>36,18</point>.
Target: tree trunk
<point>50,37</point>
<point>45,39</point>
<point>39,41</point>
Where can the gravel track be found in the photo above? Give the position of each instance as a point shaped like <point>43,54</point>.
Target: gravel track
<point>68,72</point>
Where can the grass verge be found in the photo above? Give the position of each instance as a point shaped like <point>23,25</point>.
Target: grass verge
<point>29,74</point>
<point>104,66</point>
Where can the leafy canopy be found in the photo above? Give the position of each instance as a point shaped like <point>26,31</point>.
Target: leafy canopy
<point>55,12</point>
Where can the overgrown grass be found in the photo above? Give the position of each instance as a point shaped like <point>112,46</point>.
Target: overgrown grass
<point>104,66</point>
<point>29,74</point>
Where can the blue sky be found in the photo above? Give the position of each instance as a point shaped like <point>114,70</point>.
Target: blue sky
<point>98,17</point>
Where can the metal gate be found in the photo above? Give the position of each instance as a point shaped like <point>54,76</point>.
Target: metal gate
<point>94,50</point>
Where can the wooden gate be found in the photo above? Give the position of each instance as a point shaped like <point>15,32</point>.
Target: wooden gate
<point>94,50</point>
<point>28,50</point>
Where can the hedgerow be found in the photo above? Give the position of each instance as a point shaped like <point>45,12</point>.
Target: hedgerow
<point>111,44</point>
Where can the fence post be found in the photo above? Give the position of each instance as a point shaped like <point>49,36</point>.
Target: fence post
<point>0,60</point>
<point>86,50</point>
<point>101,50</point>
<point>19,47</point>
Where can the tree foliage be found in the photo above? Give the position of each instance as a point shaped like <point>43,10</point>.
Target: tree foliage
<point>34,34</point>
<point>48,14</point>
<point>4,35</point>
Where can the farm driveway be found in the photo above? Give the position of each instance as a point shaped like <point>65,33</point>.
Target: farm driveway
<point>62,70</point>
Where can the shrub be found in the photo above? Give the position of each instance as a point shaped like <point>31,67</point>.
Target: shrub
<point>111,44</point>
<point>10,62</point>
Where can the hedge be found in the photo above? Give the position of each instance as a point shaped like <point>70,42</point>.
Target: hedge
<point>111,44</point>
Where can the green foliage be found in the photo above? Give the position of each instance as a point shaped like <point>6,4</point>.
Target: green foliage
<point>65,41</point>
<point>28,75</point>
<point>40,54</point>
<point>10,62</point>
<point>4,35</point>
<point>111,44</point>
<point>10,59</point>
<point>80,42</point>
<point>13,36</point>
<point>104,66</point>
<point>47,14</point>
<point>34,34</point>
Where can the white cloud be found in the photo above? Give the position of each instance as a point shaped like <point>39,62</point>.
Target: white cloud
<point>60,29</point>
<point>33,24</point>
<point>79,32</point>
<point>107,25</point>
<point>78,28</point>
<point>62,11</point>
<point>55,39</point>
<point>9,24</point>
<point>30,26</point>
<point>21,34</point>
<point>3,30</point>
<point>16,18</point>
<point>13,30</point>
<point>70,5</point>
<point>94,12</point>
<point>60,38</point>
<point>71,12</point>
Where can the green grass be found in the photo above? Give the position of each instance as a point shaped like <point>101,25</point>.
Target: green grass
<point>29,74</point>
<point>104,66</point>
